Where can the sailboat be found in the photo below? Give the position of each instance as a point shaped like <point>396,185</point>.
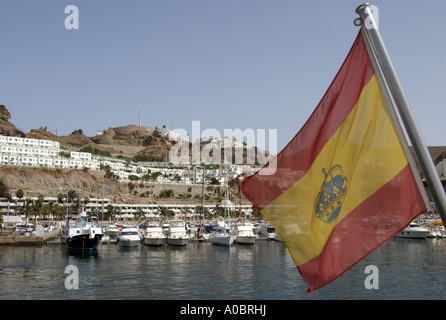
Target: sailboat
<point>224,235</point>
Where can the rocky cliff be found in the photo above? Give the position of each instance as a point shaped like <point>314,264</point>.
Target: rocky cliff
<point>6,127</point>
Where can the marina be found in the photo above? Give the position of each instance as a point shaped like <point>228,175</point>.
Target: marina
<point>408,269</point>
<point>216,259</point>
<point>245,205</point>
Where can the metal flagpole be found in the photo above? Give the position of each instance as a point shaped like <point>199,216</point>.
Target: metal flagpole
<point>395,119</point>
<point>369,25</point>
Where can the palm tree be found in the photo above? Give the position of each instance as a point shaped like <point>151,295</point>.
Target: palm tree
<point>71,198</point>
<point>47,210</point>
<point>139,214</point>
<point>111,211</point>
<point>60,198</point>
<point>26,209</point>
<point>163,212</point>
<point>86,200</point>
<point>18,194</point>
<point>58,211</point>
<point>36,208</point>
<point>71,195</point>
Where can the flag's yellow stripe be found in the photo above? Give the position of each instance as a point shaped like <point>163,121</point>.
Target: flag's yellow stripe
<point>367,147</point>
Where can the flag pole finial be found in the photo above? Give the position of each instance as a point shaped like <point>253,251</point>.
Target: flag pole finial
<point>361,7</point>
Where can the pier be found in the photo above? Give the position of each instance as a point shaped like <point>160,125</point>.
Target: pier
<point>16,239</point>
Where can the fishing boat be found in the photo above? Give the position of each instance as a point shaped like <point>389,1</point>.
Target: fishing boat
<point>245,233</point>
<point>82,232</point>
<point>129,237</point>
<point>413,231</point>
<point>153,235</point>
<point>177,235</point>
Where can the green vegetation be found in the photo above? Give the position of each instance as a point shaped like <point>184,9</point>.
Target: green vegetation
<point>156,134</point>
<point>147,158</point>
<point>96,151</point>
<point>166,193</point>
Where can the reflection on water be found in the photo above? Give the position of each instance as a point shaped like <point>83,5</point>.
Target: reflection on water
<point>408,269</point>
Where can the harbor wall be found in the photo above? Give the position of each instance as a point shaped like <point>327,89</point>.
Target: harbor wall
<point>14,239</point>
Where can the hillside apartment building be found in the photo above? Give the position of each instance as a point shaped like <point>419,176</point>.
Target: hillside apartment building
<point>16,151</point>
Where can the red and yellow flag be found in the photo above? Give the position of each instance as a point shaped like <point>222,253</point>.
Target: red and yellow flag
<point>343,185</point>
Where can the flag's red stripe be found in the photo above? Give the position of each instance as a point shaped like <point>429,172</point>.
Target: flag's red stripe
<point>296,158</point>
<point>373,222</point>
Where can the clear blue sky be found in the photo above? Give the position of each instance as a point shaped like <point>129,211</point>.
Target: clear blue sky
<point>260,64</point>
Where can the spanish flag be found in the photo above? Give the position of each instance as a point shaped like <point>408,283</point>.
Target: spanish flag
<point>343,185</point>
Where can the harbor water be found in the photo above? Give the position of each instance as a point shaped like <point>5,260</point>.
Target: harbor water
<point>407,269</point>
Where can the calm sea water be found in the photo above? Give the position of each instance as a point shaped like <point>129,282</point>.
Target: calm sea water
<point>408,269</point>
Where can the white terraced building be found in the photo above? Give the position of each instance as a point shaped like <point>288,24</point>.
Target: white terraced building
<point>18,151</point>
<point>124,211</point>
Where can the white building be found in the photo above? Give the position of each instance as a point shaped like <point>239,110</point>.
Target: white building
<point>18,151</point>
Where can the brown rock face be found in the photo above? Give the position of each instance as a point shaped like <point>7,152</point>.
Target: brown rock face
<point>7,128</point>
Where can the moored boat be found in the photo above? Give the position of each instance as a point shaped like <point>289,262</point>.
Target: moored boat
<point>129,237</point>
<point>222,238</point>
<point>223,235</point>
<point>245,233</point>
<point>413,231</point>
<point>153,235</point>
<point>82,232</point>
<point>267,231</point>
<point>111,233</point>
<point>177,235</point>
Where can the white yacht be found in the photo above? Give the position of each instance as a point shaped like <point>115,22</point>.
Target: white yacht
<point>111,233</point>
<point>82,232</point>
<point>153,235</point>
<point>413,231</point>
<point>129,237</point>
<point>245,233</point>
<point>177,235</point>
<point>437,231</point>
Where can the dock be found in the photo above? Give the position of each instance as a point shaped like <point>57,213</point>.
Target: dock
<point>52,237</point>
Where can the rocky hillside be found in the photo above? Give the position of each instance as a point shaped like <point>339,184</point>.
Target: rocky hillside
<point>51,182</point>
<point>129,141</point>
<point>6,127</point>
